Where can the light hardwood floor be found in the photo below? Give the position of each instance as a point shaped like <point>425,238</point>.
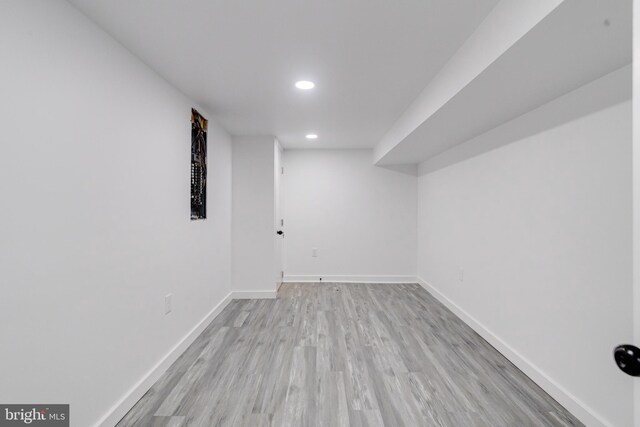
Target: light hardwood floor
<point>344,355</point>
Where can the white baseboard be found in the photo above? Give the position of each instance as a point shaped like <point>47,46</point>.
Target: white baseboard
<point>254,294</point>
<point>574,405</point>
<point>120,409</point>
<point>350,279</point>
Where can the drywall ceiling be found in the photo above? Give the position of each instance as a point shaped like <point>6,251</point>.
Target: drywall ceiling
<point>576,43</point>
<point>239,59</point>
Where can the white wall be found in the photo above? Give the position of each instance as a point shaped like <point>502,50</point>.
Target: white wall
<point>253,215</point>
<point>94,223</point>
<point>542,231</point>
<point>361,218</point>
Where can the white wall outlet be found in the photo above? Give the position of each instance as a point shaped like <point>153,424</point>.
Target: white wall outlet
<point>314,252</point>
<point>168,303</point>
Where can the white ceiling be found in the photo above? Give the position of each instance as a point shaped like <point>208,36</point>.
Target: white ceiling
<point>578,42</point>
<point>239,59</point>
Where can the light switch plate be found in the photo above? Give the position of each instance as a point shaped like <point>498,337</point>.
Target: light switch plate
<point>168,303</point>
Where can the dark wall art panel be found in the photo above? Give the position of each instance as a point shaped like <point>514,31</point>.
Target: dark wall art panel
<point>198,166</point>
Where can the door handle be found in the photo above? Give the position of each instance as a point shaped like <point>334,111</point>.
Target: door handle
<point>280,233</point>
<point>627,358</point>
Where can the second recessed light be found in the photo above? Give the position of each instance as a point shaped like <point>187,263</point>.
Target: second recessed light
<point>305,85</point>
<point>312,136</point>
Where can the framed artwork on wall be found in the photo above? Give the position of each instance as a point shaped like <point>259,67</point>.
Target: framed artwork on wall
<point>198,166</point>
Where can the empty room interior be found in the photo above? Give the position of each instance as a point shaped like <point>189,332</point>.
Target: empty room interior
<point>319,213</point>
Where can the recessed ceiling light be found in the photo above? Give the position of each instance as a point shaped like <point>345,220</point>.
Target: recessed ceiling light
<point>312,136</point>
<point>305,85</point>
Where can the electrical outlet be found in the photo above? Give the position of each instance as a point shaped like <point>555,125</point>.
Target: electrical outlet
<point>314,252</point>
<point>168,303</point>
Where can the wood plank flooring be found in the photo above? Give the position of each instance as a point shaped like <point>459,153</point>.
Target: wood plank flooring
<point>331,354</point>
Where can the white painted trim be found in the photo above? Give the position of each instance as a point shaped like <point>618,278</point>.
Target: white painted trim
<point>574,405</point>
<point>350,279</point>
<point>120,409</point>
<point>254,294</point>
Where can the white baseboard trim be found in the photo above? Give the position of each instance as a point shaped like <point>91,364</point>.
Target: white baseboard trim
<point>350,279</point>
<point>120,409</point>
<point>254,294</point>
<point>574,405</point>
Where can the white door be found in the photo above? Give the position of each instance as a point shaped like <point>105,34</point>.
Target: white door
<point>278,217</point>
<point>636,194</point>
